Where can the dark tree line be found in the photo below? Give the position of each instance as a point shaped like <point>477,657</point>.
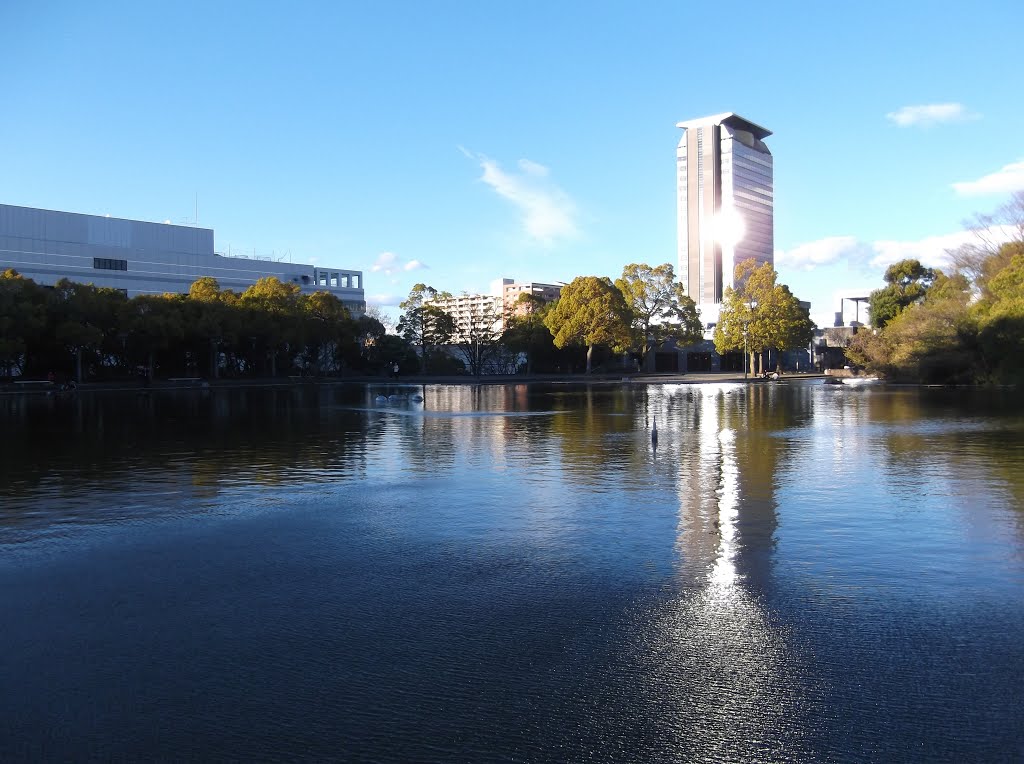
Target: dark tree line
<point>83,332</point>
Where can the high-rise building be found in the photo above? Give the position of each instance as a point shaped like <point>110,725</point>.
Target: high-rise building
<point>724,182</point>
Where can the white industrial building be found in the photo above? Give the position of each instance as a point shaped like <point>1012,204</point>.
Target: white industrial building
<point>140,257</point>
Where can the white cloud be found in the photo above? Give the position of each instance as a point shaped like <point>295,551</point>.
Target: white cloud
<point>389,264</point>
<point>548,213</point>
<point>1003,181</point>
<point>821,252</point>
<point>927,115</point>
<point>931,250</point>
<point>384,300</point>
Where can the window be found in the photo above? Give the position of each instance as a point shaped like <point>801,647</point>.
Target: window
<point>108,264</point>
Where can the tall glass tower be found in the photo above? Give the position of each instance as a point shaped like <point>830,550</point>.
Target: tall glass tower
<point>724,182</point>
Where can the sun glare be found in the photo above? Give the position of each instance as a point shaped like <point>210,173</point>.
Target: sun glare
<point>730,228</point>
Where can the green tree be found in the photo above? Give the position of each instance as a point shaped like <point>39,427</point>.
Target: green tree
<point>211,323</point>
<point>907,282</point>
<point>328,331</point>
<point>82,317</point>
<point>370,330</point>
<point>525,331</point>
<point>22,320</point>
<point>153,323</point>
<point>999,316</point>
<point>391,349</point>
<point>659,307</point>
<point>928,341</point>
<point>424,324</point>
<point>590,311</point>
<point>761,315</point>
<point>273,312</point>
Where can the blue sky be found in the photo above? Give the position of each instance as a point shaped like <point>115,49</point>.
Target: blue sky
<point>459,142</point>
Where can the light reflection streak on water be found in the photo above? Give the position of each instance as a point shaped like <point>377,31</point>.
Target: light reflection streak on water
<point>714,647</point>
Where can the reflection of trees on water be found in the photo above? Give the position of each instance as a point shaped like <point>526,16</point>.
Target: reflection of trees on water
<point>161,448</point>
<point>586,433</point>
<point>601,439</point>
<point>956,444</point>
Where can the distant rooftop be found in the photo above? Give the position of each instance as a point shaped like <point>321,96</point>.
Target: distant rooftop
<point>729,119</point>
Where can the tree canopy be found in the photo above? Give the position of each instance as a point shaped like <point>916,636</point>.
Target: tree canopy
<point>526,332</point>
<point>86,332</point>
<point>761,314</point>
<point>423,323</point>
<point>590,311</point>
<point>907,282</point>
<point>659,308</point>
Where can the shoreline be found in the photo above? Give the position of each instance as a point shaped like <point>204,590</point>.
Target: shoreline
<point>199,383</point>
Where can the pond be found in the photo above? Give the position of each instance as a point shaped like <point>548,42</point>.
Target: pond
<point>792,572</point>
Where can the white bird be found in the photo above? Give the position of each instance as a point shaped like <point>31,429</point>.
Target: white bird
<point>381,399</point>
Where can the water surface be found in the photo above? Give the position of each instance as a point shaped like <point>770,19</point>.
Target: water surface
<point>514,573</point>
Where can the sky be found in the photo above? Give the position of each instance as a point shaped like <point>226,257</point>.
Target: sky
<point>454,143</point>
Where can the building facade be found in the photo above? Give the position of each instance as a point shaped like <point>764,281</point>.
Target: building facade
<point>511,290</point>
<point>485,314</point>
<point>476,315</point>
<point>725,205</point>
<point>140,257</point>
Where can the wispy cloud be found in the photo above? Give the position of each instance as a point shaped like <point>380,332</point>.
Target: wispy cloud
<point>1003,181</point>
<point>927,115</point>
<point>390,264</point>
<point>548,213</point>
<point>932,251</point>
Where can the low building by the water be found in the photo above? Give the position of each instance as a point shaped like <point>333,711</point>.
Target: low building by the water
<point>139,257</point>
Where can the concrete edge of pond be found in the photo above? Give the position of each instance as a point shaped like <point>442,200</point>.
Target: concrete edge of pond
<point>513,379</point>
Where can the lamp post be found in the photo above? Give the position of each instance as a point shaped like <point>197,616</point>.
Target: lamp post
<point>746,324</point>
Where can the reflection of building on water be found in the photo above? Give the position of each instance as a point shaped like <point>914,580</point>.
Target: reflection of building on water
<point>719,650</point>
<point>725,481</point>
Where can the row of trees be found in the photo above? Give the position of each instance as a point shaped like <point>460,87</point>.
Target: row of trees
<point>964,327</point>
<point>85,332</point>
<point>642,309</point>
